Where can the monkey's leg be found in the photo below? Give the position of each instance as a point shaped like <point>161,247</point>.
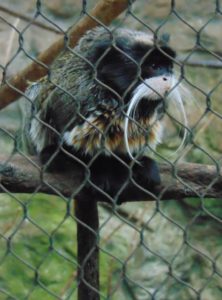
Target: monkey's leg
<point>114,176</point>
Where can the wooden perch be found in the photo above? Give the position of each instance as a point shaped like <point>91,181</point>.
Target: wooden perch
<point>104,12</point>
<point>21,175</point>
<point>25,175</point>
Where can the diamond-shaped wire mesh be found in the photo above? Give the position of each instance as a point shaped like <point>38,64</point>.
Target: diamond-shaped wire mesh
<point>148,249</point>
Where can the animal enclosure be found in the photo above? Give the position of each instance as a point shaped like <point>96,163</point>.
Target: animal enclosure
<point>67,231</point>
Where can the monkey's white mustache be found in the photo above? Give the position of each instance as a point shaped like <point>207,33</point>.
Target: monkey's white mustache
<point>154,88</point>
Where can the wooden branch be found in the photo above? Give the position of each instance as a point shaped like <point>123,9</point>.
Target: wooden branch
<point>202,64</point>
<point>103,13</point>
<point>21,175</point>
<point>29,19</point>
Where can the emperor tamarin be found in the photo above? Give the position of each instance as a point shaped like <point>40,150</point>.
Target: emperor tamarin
<point>102,102</point>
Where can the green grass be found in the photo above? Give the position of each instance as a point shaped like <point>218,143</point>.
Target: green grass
<point>37,248</point>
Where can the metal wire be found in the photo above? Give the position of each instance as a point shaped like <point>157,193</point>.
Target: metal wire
<point>155,250</point>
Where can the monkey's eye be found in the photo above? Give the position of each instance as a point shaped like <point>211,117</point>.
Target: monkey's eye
<point>155,66</point>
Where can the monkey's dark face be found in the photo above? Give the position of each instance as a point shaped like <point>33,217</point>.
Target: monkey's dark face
<point>140,74</point>
<point>125,65</point>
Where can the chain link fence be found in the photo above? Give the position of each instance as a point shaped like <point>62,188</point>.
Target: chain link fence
<point>165,247</point>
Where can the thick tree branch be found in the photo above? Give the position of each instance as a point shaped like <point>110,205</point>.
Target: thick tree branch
<point>104,12</point>
<point>20,175</point>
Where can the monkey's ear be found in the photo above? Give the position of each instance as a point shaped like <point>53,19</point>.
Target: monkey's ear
<point>116,71</point>
<point>113,67</point>
<point>100,49</point>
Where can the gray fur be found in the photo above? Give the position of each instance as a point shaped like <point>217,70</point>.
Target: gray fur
<point>71,95</point>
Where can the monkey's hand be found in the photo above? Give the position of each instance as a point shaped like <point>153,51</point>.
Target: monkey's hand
<point>146,173</point>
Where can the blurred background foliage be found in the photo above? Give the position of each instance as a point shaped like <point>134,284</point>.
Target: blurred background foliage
<point>143,241</point>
